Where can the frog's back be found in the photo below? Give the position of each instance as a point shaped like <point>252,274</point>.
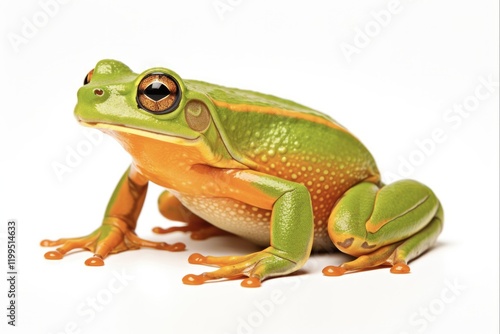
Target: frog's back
<point>285,139</point>
<point>250,101</point>
<point>269,131</point>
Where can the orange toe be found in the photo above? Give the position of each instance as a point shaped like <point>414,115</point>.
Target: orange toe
<point>333,271</point>
<point>191,279</point>
<point>400,268</point>
<point>197,258</point>
<point>53,255</point>
<point>251,282</point>
<point>94,261</point>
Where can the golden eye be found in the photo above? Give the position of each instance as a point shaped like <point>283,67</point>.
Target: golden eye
<point>88,77</point>
<point>158,93</point>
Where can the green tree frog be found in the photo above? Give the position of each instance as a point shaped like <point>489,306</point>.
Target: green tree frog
<point>277,173</point>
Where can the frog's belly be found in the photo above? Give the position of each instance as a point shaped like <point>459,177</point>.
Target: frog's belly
<point>241,219</point>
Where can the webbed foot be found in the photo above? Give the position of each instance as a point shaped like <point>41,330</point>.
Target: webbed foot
<point>113,236</point>
<point>255,267</point>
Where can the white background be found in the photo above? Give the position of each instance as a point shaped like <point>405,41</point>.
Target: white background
<point>397,90</point>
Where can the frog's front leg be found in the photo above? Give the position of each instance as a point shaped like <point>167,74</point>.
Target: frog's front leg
<point>291,229</point>
<point>384,226</point>
<point>116,234</point>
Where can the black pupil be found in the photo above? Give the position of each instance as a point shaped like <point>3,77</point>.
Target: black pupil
<point>157,91</point>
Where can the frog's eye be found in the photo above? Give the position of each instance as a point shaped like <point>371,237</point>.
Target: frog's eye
<point>158,93</point>
<point>88,77</point>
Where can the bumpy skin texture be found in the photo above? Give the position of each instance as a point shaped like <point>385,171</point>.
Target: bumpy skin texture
<point>267,169</point>
<point>286,140</point>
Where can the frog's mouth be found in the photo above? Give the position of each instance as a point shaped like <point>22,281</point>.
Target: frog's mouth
<point>110,128</point>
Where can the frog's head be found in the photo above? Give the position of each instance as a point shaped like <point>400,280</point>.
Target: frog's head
<point>155,104</point>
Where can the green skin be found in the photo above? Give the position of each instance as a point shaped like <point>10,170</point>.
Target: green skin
<point>220,147</point>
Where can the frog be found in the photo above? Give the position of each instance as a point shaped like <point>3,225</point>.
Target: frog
<point>284,176</point>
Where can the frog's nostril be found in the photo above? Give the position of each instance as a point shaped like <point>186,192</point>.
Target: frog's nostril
<point>98,92</point>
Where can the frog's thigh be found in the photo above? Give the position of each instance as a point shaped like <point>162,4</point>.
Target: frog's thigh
<point>171,208</point>
<point>388,225</point>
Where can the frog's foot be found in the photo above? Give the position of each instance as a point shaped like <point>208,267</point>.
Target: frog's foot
<point>381,257</point>
<point>112,237</point>
<point>171,208</point>
<point>417,225</point>
<point>256,266</point>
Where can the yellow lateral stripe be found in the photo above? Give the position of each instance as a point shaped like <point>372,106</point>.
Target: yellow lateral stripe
<point>278,111</point>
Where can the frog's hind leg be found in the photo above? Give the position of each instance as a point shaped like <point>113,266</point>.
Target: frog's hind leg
<point>396,255</point>
<point>384,226</point>
<point>171,208</point>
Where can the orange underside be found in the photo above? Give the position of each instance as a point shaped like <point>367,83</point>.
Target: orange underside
<point>182,168</point>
